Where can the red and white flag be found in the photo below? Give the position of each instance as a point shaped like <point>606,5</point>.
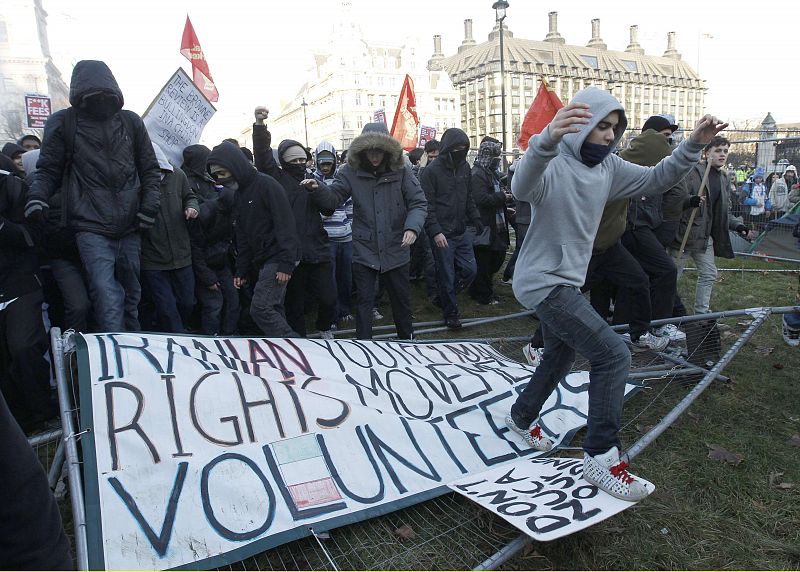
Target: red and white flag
<point>191,50</point>
<point>543,109</point>
<point>406,123</point>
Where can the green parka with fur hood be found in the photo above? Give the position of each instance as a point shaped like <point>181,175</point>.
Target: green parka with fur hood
<point>387,201</point>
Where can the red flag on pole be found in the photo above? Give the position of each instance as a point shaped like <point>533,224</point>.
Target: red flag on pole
<point>543,109</point>
<point>191,50</point>
<point>406,123</point>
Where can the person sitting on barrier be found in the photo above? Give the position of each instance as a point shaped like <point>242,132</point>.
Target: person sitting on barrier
<point>568,174</point>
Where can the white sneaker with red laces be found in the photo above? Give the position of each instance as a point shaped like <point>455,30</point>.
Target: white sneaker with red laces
<point>611,475</point>
<point>532,355</point>
<point>533,436</point>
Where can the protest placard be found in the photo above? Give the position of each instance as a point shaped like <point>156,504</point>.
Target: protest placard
<point>37,110</point>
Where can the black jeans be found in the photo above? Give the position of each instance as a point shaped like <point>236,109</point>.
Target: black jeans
<point>659,266</point>
<point>521,230</point>
<point>71,281</point>
<point>309,279</point>
<point>219,308</point>
<point>397,285</point>
<point>489,262</point>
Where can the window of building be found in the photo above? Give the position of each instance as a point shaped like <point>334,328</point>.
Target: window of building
<point>591,61</point>
<point>631,65</point>
<point>3,33</point>
<point>514,81</point>
<point>360,122</point>
<point>358,98</point>
<point>380,81</point>
<point>528,81</point>
<point>371,100</point>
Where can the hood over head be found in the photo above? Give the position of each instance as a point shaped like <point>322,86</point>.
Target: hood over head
<point>375,139</point>
<point>601,103</point>
<point>7,165</point>
<point>92,77</point>
<point>647,149</point>
<point>759,172</point>
<point>12,149</point>
<point>285,145</point>
<point>451,138</point>
<point>29,160</point>
<point>30,136</point>
<point>325,148</point>
<point>230,156</point>
<point>376,127</point>
<point>791,169</point>
<point>163,161</point>
<point>194,160</point>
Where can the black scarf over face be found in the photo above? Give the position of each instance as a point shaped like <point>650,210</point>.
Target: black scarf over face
<point>593,154</point>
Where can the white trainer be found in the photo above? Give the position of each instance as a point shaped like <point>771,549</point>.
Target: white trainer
<point>670,331</point>
<point>533,436</point>
<point>533,355</point>
<point>648,341</point>
<point>611,475</point>
<point>326,334</point>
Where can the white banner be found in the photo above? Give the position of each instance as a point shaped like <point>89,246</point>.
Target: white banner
<point>204,451</point>
<point>177,116</point>
<point>544,498</point>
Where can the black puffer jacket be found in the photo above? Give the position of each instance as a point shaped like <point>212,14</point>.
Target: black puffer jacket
<point>113,182</point>
<point>306,209</point>
<point>18,260</point>
<point>265,230</point>
<point>490,201</point>
<point>195,158</point>
<point>448,189</point>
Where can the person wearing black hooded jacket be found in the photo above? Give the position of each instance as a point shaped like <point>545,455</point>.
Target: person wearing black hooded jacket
<point>265,236</point>
<point>448,189</point>
<point>109,179</point>
<point>315,271</point>
<point>195,160</point>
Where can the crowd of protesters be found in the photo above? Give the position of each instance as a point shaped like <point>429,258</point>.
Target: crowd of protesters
<point>99,227</point>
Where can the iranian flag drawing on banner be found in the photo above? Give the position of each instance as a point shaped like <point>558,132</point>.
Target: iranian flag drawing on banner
<point>542,110</point>
<point>406,123</point>
<point>191,50</point>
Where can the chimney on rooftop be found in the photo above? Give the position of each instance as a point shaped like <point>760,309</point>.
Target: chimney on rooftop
<point>596,41</point>
<point>435,63</point>
<point>553,35</point>
<point>469,41</point>
<point>634,47</point>
<point>671,51</point>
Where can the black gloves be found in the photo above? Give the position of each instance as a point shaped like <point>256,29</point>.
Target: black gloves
<point>742,230</point>
<point>694,201</point>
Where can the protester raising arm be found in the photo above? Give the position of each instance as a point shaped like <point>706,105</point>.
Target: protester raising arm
<point>262,145</point>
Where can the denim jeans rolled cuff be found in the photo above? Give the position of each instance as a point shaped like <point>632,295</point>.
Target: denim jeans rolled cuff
<point>570,325</point>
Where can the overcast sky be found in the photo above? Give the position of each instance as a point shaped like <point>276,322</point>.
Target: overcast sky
<point>259,51</point>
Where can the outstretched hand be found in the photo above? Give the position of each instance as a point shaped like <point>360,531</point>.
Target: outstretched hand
<point>310,184</point>
<point>569,119</point>
<point>706,129</point>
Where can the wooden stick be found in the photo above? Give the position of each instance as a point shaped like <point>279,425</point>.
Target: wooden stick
<point>700,193</point>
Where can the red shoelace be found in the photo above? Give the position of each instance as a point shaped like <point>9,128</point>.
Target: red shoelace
<point>536,432</point>
<point>619,471</point>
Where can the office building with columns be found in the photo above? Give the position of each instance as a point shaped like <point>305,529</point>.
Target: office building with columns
<point>645,84</point>
<point>353,78</point>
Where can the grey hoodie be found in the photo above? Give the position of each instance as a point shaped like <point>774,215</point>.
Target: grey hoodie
<point>567,198</point>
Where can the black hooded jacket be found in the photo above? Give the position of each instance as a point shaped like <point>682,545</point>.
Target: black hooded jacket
<point>195,159</point>
<point>113,182</point>
<point>305,206</point>
<point>265,230</point>
<point>18,260</point>
<point>448,189</point>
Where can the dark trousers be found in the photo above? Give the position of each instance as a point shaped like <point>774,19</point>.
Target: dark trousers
<point>71,282</point>
<point>397,285</point>
<point>31,533</point>
<point>307,281</point>
<point>488,263</point>
<point>219,308</point>
<point>618,267</point>
<point>569,325</point>
<point>455,270</point>
<point>521,230</point>
<point>659,267</point>
<point>342,261</point>
<point>24,369</point>
<point>172,294</point>
<point>266,306</point>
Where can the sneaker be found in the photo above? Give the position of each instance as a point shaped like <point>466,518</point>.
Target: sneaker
<point>533,436</point>
<point>648,341</point>
<point>453,323</point>
<point>376,315</point>
<point>326,334</point>
<point>670,331</point>
<point>532,355</point>
<point>506,282</point>
<point>611,475</point>
<point>790,335</point>
<point>346,319</point>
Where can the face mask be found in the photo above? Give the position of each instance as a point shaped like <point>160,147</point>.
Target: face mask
<point>296,171</point>
<point>458,157</point>
<point>593,154</point>
<point>229,183</point>
<point>100,106</point>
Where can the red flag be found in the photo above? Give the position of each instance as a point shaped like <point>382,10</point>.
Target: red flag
<point>543,109</point>
<point>406,123</point>
<point>191,50</point>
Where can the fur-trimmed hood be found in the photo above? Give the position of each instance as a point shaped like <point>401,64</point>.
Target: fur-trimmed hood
<point>375,140</point>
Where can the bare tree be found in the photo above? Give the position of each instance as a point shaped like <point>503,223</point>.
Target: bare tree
<point>12,124</point>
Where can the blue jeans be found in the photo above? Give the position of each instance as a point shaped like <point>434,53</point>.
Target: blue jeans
<point>219,308</point>
<point>569,324</point>
<point>342,258</point>
<point>455,270</point>
<point>112,270</point>
<point>172,293</point>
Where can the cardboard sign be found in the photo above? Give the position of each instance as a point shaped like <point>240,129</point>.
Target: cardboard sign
<point>204,451</point>
<point>544,498</point>
<point>177,116</point>
<point>37,110</point>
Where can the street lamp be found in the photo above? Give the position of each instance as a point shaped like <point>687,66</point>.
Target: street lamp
<point>305,119</point>
<point>500,8</point>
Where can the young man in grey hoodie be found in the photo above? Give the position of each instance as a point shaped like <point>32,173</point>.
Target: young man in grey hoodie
<point>568,174</point>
